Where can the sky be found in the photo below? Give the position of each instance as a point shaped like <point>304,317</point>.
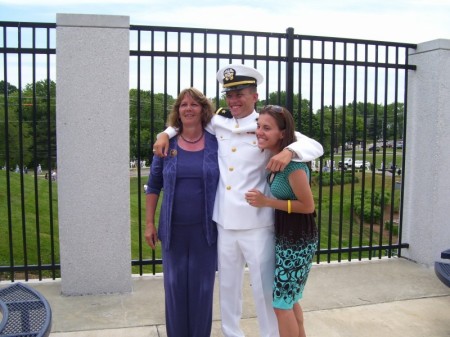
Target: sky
<point>409,21</point>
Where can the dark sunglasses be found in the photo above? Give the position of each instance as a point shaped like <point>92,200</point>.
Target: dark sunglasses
<point>274,108</point>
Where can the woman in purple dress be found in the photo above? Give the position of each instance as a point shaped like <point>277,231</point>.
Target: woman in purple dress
<point>188,175</point>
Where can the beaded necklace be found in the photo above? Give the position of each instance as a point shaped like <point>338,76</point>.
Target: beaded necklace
<point>193,141</point>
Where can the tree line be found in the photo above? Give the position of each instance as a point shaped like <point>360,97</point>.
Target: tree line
<point>28,122</point>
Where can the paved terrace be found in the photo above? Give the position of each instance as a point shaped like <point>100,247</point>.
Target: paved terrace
<point>379,298</point>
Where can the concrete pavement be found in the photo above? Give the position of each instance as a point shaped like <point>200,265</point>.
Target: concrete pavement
<point>378,298</point>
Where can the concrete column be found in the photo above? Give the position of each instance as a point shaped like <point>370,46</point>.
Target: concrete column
<point>92,119</point>
<point>426,204</point>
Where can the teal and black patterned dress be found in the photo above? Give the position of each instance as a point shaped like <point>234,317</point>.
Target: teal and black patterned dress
<point>295,245</point>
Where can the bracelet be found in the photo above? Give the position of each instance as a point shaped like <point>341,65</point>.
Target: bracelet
<point>294,154</point>
<point>289,207</point>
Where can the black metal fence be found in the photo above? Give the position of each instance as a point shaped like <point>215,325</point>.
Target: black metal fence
<point>28,200</point>
<point>348,94</point>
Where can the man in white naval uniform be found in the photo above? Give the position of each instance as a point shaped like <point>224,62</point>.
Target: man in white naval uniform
<point>245,233</point>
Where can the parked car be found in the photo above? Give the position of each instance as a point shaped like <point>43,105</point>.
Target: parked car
<point>346,163</point>
<point>359,164</point>
<point>389,143</point>
<point>400,144</point>
<point>374,148</point>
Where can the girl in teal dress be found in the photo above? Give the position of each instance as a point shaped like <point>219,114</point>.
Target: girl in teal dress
<point>295,226</point>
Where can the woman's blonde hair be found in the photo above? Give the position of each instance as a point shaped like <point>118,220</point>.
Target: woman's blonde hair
<point>207,109</point>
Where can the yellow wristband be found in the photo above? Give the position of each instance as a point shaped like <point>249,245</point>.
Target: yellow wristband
<point>289,207</point>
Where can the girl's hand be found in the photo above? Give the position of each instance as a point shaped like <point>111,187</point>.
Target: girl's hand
<point>255,198</point>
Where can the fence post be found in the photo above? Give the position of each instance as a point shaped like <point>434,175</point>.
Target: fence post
<point>426,225</point>
<point>92,119</point>
<point>290,69</point>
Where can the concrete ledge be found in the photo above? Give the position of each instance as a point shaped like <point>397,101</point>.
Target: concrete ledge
<point>87,20</point>
<point>372,298</point>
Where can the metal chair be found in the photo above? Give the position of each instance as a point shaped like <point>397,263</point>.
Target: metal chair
<point>442,269</point>
<point>25,312</point>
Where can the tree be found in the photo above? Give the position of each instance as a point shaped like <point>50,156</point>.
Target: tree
<point>29,122</point>
<point>39,111</point>
<point>14,134</point>
<point>151,110</point>
<point>9,88</point>
<point>306,120</point>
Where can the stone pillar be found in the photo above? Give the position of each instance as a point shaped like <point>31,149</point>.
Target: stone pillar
<point>426,200</point>
<point>92,119</point>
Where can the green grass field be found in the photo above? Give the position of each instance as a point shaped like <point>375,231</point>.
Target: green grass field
<point>26,221</point>
<point>33,231</point>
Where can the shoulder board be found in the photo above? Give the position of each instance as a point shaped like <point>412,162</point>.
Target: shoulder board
<point>224,112</point>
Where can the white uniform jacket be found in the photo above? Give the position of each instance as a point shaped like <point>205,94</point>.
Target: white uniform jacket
<point>242,167</point>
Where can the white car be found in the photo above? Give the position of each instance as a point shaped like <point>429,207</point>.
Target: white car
<point>359,164</point>
<point>347,163</point>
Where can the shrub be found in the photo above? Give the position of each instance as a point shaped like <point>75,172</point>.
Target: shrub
<point>388,225</point>
<point>338,179</point>
<point>367,212</point>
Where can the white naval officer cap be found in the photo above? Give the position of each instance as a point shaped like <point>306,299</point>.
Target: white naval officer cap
<point>238,76</point>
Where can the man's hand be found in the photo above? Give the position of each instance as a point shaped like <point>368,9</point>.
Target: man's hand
<point>279,161</point>
<point>161,146</point>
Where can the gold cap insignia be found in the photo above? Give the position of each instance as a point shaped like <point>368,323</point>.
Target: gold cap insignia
<point>228,74</point>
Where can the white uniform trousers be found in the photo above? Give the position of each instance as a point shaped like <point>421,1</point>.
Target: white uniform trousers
<point>256,247</point>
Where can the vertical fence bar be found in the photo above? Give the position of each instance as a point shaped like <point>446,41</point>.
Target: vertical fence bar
<point>152,89</point>
<point>20,122</point>
<point>267,69</point>
<point>394,157</point>
<point>404,168</point>
<point>138,136</point>
<point>384,164</point>
<point>363,180</point>
<point>374,151</point>
<point>35,160</point>
<point>50,161</point>
<point>354,137</point>
<point>7,157</point>
<point>333,146</point>
<point>290,69</point>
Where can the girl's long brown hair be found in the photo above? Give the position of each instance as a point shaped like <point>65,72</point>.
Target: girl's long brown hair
<point>285,122</point>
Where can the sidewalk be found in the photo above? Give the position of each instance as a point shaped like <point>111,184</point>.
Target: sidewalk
<point>379,298</point>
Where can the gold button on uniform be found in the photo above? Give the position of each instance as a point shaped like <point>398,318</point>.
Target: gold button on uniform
<point>233,149</point>
<point>228,188</point>
<point>231,169</point>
